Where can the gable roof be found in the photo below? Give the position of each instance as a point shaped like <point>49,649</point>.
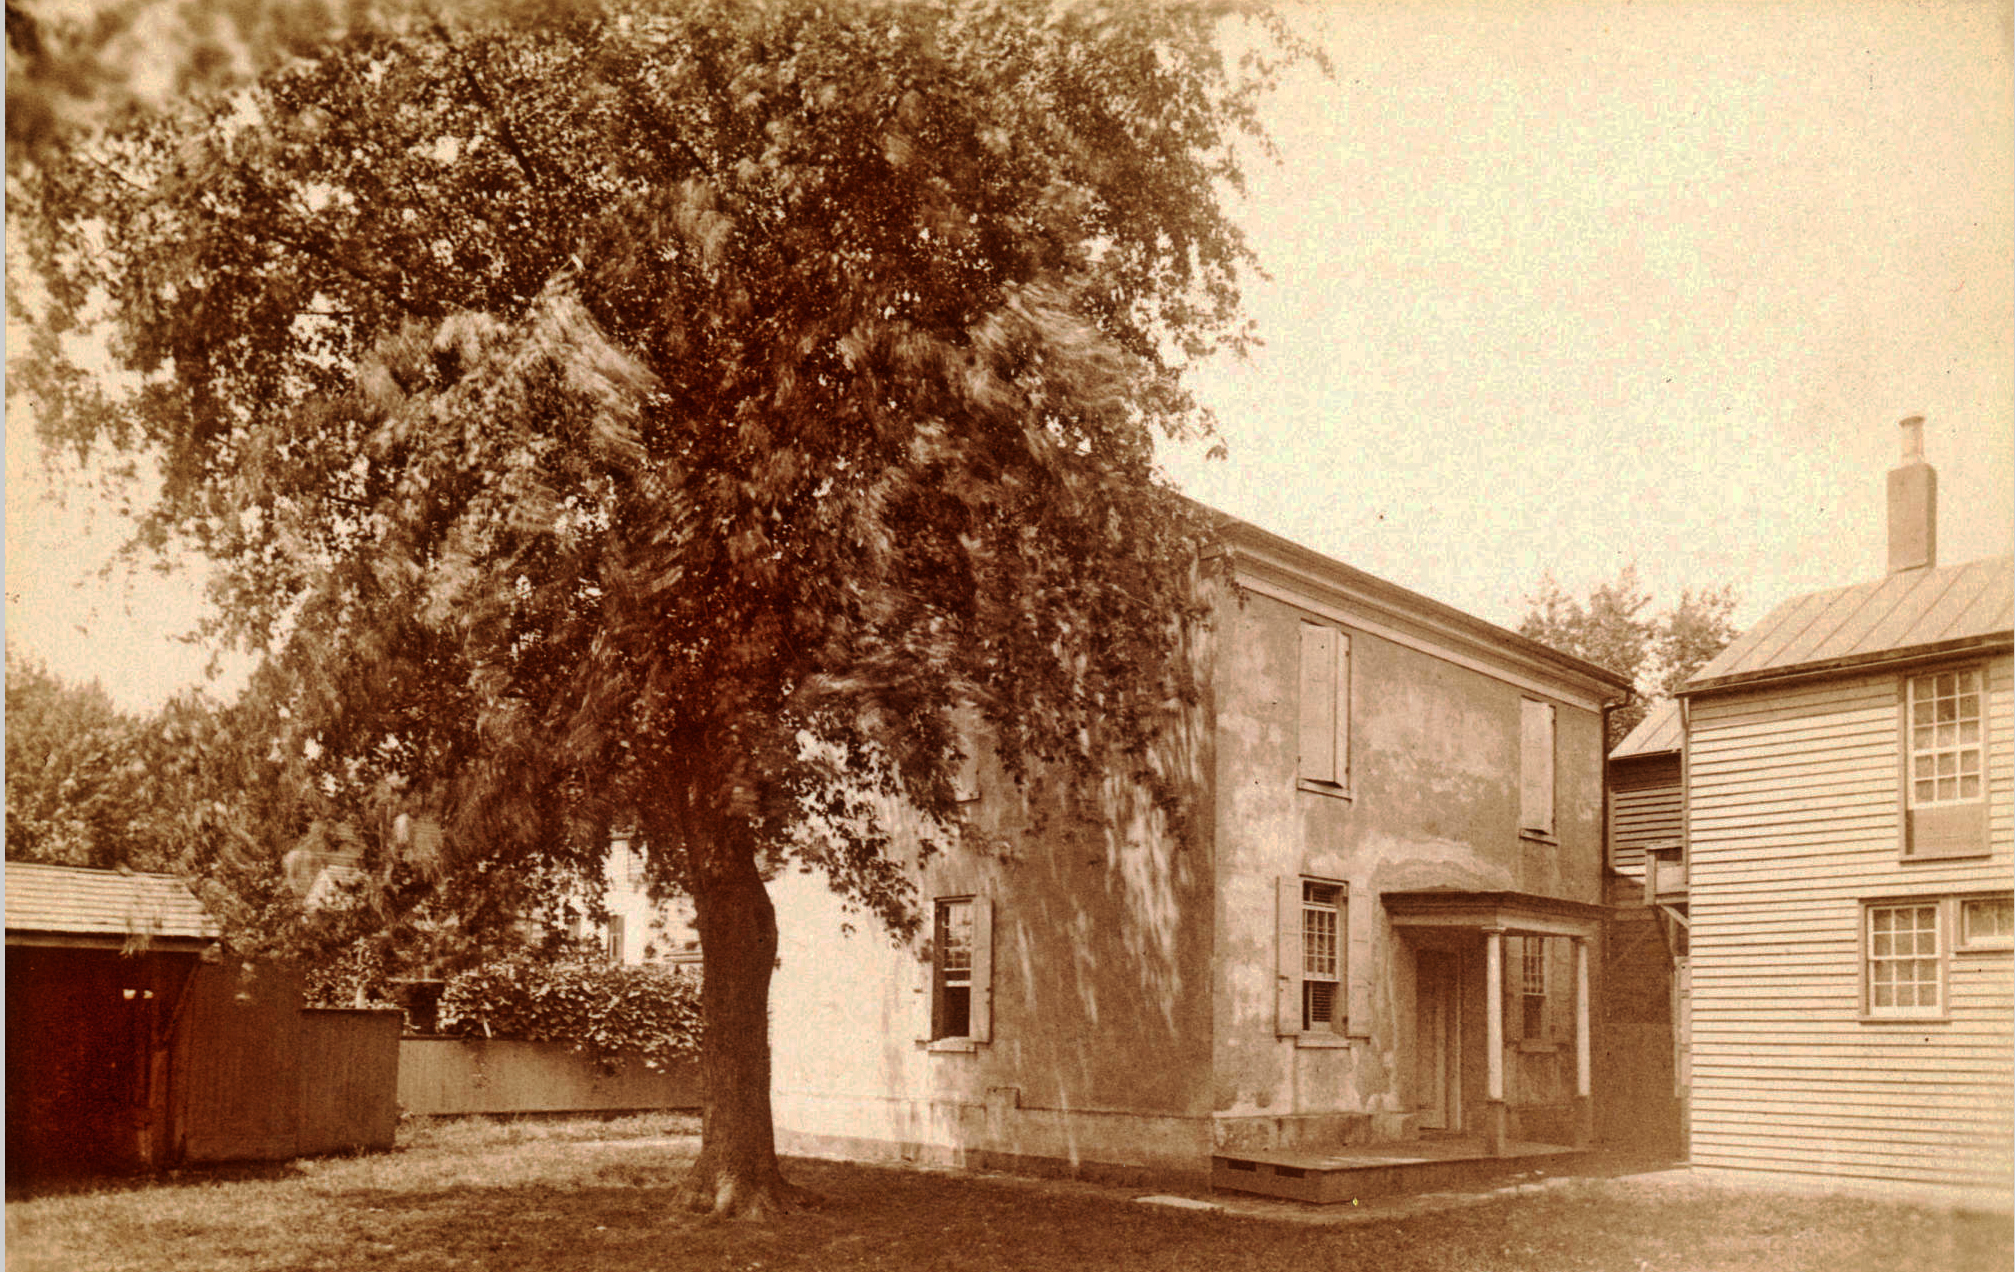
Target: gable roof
<point>1657,733</point>
<point>1907,614</point>
<point>1450,632</point>
<point>70,905</point>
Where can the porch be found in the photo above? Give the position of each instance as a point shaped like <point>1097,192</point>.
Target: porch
<point>1460,939</point>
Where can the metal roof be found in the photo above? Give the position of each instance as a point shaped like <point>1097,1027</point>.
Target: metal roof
<point>1954,606</point>
<point>73,905</point>
<point>1655,734</point>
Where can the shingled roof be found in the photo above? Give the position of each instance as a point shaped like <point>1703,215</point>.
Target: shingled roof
<point>70,905</point>
<point>1909,613</point>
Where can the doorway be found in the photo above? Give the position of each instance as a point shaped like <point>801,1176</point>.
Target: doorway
<point>1438,1040</point>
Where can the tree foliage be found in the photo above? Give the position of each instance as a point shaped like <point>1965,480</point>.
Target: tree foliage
<point>1611,629</point>
<point>76,775</point>
<point>670,418</point>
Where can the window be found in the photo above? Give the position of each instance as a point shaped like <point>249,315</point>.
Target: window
<point>1535,767</point>
<point>1905,969</point>
<point>1324,733</point>
<point>614,940</point>
<point>1944,764</point>
<point>1987,923</point>
<point>962,970</point>
<point>1321,954</point>
<point>1312,1001</point>
<point>1532,988</point>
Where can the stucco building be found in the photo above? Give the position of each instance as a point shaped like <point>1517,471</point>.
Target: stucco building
<point>1847,813</point>
<point>1384,926</point>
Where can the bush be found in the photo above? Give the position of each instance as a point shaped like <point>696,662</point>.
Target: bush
<point>607,1010</point>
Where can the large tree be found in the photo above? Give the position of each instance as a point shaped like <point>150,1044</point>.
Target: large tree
<point>1611,628</point>
<point>678,418</point>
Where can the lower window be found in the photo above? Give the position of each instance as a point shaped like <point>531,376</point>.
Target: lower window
<point>1906,963</point>
<point>952,970</point>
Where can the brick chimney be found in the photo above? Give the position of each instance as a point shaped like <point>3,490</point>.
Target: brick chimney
<point>1913,504</point>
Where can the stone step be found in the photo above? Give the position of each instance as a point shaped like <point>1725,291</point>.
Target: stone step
<point>1379,1170</point>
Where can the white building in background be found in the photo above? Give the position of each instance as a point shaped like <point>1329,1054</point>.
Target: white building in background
<point>1847,847</point>
<point>639,929</point>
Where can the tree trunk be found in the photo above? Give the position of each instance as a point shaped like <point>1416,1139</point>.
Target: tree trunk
<point>736,1174</point>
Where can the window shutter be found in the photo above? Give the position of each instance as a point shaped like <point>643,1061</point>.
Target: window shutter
<point>1287,956</point>
<point>1535,765</point>
<point>1358,923</point>
<point>1340,719</point>
<point>981,1026</point>
<point>1514,988</point>
<point>1318,703</point>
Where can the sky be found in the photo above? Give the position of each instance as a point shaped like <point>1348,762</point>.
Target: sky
<point>1554,288</point>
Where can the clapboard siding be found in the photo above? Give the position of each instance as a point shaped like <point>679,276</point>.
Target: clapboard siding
<point>1640,818</point>
<point>1793,823</point>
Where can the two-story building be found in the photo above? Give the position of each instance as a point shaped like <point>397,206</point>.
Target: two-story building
<point>1383,925</point>
<point>1848,872</point>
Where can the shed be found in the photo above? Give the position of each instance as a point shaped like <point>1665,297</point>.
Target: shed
<point>131,1045</point>
<point>99,965</point>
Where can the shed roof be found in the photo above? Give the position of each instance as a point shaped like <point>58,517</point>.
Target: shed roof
<point>1657,733</point>
<point>75,906</point>
<point>1912,611</point>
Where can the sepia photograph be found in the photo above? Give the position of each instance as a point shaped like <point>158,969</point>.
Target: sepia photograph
<point>1051,634</point>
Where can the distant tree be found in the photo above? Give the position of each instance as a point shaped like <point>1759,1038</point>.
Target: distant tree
<point>674,418</point>
<point>76,775</point>
<point>1610,628</point>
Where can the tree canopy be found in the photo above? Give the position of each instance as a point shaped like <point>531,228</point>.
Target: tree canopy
<point>1611,629</point>
<point>676,419</point>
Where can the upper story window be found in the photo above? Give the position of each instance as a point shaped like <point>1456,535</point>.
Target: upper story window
<point>1945,738</point>
<point>1324,731</point>
<point>1944,773</point>
<point>1535,767</point>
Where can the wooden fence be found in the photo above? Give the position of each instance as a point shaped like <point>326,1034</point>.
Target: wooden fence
<point>260,1078</point>
<point>457,1076</point>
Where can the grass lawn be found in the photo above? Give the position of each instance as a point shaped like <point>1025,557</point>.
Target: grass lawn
<point>550,1196</point>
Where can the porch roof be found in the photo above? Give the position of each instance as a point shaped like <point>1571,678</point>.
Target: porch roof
<point>1526,912</point>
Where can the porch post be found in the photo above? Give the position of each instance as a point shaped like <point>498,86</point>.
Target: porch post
<point>1495,1122</point>
<point>1584,1122</point>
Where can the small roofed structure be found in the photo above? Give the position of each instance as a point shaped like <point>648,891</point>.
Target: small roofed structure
<point>122,909</point>
<point>131,1045</point>
<point>98,965</point>
<point>1644,802</point>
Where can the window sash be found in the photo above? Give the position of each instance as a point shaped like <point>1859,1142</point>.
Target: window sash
<point>1986,922</point>
<point>1946,719</point>
<point>961,1004</point>
<point>1904,961</point>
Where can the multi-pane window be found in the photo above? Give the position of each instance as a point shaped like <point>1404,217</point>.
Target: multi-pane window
<point>1986,923</point>
<point>1905,967</point>
<point>1945,764</point>
<point>613,939</point>
<point>1532,987</point>
<point>951,1001</point>
<point>1321,954</point>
